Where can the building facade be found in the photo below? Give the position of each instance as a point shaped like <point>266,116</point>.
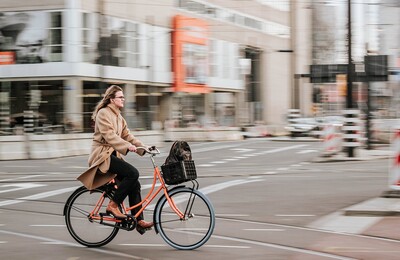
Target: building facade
<point>181,63</point>
<point>375,32</point>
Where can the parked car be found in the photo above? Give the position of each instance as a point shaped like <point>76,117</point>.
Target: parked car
<point>302,126</point>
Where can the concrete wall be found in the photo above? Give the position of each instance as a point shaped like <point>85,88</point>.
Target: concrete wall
<point>21,147</point>
<point>53,146</point>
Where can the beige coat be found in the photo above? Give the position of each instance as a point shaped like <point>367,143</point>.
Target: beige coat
<point>110,134</point>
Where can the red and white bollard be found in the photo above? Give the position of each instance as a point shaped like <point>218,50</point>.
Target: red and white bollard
<point>394,174</point>
<point>332,141</point>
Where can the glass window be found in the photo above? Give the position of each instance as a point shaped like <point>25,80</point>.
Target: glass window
<point>241,19</point>
<point>31,36</point>
<point>213,58</point>
<point>89,36</point>
<point>43,100</point>
<point>55,42</point>
<point>129,45</point>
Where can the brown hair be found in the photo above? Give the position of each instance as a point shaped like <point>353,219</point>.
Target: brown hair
<point>108,95</point>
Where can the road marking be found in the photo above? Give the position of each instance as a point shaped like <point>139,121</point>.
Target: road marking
<point>144,245</point>
<point>288,248</point>
<point>75,167</point>
<point>207,149</point>
<point>264,229</point>
<point>223,246</point>
<point>37,196</point>
<point>242,150</point>
<point>52,243</point>
<point>148,186</point>
<point>232,215</point>
<point>20,186</point>
<point>40,225</point>
<point>162,245</point>
<point>20,178</point>
<point>3,242</point>
<point>293,215</point>
<point>283,169</point>
<point>219,162</point>
<point>60,242</point>
<point>213,188</point>
<point>22,166</point>
<point>231,159</point>
<point>358,250</point>
<point>225,185</point>
<point>284,148</point>
<point>308,151</point>
<point>269,173</point>
<point>205,165</point>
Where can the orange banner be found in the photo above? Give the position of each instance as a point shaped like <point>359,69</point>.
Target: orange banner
<point>7,57</point>
<point>190,55</point>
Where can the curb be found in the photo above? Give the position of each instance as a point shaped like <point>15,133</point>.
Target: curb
<point>364,155</point>
<point>375,207</point>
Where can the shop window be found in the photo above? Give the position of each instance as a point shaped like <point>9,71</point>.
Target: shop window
<point>33,37</point>
<point>41,99</point>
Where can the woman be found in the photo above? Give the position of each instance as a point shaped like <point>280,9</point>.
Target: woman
<point>112,138</point>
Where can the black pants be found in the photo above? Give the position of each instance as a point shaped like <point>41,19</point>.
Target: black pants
<point>128,177</point>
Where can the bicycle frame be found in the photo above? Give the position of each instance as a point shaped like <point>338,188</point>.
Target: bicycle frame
<point>145,202</point>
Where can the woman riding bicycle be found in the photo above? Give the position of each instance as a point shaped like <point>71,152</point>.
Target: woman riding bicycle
<point>112,138</point>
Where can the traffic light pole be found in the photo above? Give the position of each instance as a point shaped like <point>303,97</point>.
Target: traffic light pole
<point>350,72</point>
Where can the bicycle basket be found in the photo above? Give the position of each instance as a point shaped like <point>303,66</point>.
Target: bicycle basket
<point>182,171</point>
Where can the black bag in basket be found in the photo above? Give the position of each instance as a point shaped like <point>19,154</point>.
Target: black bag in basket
<point>179,166</point>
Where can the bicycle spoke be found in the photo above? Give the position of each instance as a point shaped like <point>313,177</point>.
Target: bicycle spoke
<point>197,225</point>
<point>87,230</point>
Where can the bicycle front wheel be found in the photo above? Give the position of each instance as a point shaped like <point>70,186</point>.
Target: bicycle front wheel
<point>83,227</point>
<point>197,225</point>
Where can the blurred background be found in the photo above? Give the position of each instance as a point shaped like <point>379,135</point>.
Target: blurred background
<point>198,64</point>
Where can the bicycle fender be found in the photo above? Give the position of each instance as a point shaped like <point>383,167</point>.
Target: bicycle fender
<point>159,200</point>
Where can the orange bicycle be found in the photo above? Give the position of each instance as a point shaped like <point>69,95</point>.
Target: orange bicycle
<point>183,216</point>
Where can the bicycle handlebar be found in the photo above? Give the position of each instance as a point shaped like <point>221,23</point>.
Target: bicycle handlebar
<point>151,150</point>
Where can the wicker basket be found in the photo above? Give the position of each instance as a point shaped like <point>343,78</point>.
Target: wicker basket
<point>179,172</point>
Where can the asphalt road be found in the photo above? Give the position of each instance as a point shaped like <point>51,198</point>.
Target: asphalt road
<point>267,194</point>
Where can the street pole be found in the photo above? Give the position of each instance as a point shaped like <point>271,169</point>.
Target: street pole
<point>349,98</point>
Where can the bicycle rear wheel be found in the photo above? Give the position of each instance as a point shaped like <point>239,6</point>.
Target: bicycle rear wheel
<point>197,224</point>
<point>84,229</point>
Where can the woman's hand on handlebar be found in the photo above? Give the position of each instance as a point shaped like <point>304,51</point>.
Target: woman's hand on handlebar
<point>132,148</point>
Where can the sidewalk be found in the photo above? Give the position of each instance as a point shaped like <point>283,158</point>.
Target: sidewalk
<point>374,217</point>
<point>359,155</point>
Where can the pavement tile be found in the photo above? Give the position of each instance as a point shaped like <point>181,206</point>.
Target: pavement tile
<point>387,227</point>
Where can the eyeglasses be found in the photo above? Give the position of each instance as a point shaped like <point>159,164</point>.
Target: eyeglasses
<point>120,97</point>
